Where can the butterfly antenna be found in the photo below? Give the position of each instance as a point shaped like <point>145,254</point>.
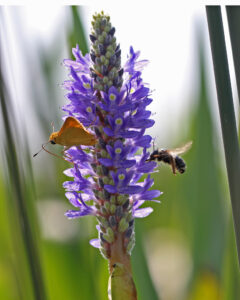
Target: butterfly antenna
<point>43,148</point>
<point>40,149</point>
<point>52,124</point>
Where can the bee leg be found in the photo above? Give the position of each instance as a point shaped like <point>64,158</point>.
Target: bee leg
<point>153,145</point>
<point>172,162</point>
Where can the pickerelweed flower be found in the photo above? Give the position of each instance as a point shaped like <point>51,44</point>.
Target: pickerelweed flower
<point>112,101</point>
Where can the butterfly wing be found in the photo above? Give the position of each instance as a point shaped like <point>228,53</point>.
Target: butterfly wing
<point>73,133</point>
<point>70,122</point>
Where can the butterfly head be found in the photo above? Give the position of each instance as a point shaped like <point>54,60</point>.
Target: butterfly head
<point>53,138</point>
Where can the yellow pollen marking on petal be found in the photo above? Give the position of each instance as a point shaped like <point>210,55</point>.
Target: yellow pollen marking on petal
<point>87,85</point>
<point>118,150</point>
<point>118,121</point>
<point>89,109</point>
<point>134,112</point>
<point>112,97</point>
<point>121,176</point>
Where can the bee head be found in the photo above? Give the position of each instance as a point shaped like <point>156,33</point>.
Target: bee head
<point>153,155</point>
<point>155,152</point>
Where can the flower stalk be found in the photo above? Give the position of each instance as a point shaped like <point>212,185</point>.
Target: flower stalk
<point>111,101</point>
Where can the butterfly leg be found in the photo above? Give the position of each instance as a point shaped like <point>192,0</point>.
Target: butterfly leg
<point>66,155</point>
<point>92,122</point>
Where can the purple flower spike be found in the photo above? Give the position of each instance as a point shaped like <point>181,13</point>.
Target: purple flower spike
<point>111,101</point>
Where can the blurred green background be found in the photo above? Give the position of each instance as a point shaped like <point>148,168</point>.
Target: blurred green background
<point>184,250</point>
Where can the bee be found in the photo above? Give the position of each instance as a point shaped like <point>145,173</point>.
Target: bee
<point>170,156</point>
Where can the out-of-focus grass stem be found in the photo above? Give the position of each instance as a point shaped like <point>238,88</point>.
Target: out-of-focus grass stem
<point>77,34</point>
<point>233,16</point>
<point>17,191</point>
<point>226,110</point>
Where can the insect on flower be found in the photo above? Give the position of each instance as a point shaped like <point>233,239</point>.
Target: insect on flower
<point>170,156</point>
<point>72,133</point>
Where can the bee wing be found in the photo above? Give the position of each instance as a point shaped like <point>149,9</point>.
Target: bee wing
<point>180,150</point>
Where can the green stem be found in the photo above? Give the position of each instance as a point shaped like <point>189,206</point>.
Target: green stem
<point>121,285</point>
<point>226,110</point>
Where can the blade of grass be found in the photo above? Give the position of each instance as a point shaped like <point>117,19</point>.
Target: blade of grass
<point>207,210</point>
<point>18,193</point>
<point>233,16</point>
<point>141,272</point>
<point>226,110</point>
<point>230,271</point>
<point>76,34</point>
